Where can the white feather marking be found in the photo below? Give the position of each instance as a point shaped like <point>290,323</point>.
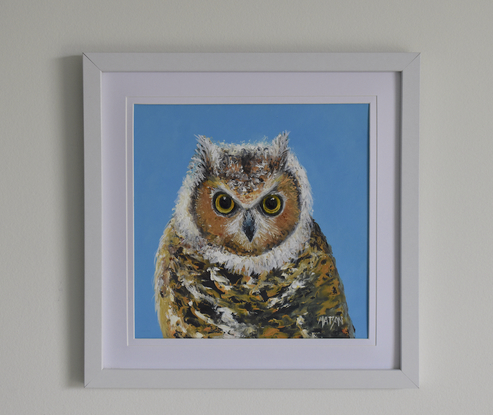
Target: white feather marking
<point>298,283</point>
<point>299,322</point>
<point>215,276</point>
<point>231,328</point>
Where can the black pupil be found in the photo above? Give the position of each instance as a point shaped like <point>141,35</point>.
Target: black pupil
<point>271,203</point>
<point>225,202</point>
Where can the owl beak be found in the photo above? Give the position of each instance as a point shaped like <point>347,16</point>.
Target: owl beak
<point>249,226</point>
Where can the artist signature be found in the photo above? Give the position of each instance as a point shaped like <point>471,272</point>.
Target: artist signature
<point>330,320</point>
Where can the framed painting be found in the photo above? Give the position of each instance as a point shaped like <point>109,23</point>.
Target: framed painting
<point>251,220</point>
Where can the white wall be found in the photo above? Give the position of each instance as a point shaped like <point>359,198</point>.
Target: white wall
<point>41,189</point>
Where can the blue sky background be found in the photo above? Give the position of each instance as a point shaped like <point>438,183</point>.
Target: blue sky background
<point>331,142</point>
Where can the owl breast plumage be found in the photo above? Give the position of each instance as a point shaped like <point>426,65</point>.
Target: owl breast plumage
<point>242,256</point>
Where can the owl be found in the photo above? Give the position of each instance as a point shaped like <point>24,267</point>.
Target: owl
<point>242,256</point>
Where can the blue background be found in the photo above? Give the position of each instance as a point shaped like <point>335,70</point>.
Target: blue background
<point>331,142</point>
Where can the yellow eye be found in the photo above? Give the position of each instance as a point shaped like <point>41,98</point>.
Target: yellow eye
<point>272,205</point>
<point>224,204</point>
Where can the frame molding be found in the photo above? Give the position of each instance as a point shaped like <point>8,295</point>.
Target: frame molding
<point>408,64</point>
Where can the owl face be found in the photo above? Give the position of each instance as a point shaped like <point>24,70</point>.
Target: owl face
<point>250,222</point>
<point>245,206</point>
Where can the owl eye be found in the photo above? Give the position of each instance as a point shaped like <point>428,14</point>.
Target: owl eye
<point>223,203</point>
<point>272,205</point>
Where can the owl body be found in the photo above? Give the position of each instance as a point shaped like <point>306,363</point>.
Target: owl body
<point>242,256</point>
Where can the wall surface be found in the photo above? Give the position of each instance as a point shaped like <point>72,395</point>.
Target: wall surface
<point>41,188</point>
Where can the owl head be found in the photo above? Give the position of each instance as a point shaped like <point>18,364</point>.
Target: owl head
<point>245,206</point>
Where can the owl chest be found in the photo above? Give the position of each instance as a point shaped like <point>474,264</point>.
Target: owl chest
<point>211,302</point>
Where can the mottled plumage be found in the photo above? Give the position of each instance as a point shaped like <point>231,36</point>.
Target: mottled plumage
<point>242,256</point>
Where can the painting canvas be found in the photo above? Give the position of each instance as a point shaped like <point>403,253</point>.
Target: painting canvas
<point>224,241</point>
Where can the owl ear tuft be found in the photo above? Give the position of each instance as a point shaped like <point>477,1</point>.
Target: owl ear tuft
<point>205,152</point>
<point>280,149</point>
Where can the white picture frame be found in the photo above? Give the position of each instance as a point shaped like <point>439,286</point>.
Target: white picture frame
<point>103,372</point>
